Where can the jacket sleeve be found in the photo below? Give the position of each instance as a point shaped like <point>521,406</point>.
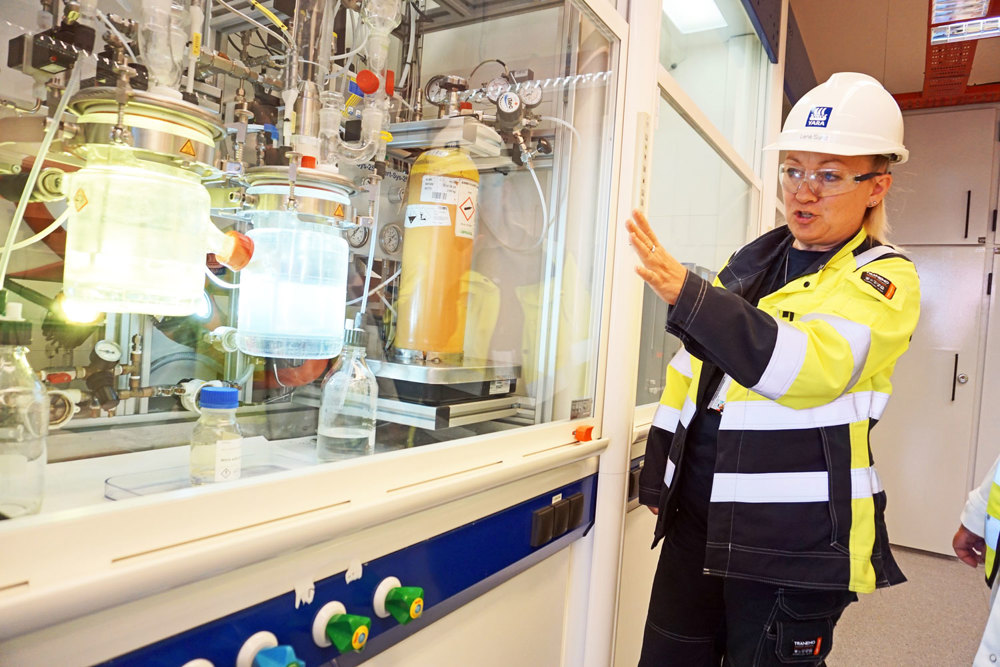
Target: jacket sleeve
<point>668,415</point>
<point>857,330</point>
<point>974,513</point>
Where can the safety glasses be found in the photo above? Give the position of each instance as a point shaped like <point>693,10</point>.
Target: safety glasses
<point>822,182</point>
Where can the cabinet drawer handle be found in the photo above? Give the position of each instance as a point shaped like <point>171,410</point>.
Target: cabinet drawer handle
<point>968,206</point>
<point>954,378</point>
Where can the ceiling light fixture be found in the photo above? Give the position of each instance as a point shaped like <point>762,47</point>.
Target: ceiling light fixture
<point>694,15</point>
<point>946,11</point>
<point>966,31</point>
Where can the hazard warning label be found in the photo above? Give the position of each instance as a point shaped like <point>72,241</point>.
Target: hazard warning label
<point>80,200</point>
<point>468,208</point>
<point>187,148</point>
<point>465,218</point>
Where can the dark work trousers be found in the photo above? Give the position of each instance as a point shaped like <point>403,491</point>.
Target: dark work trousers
<point>699,620</point>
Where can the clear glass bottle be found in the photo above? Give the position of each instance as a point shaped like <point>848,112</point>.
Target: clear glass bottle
<point>216,442</point>
<point>24,421</point>
<point>347,411</point>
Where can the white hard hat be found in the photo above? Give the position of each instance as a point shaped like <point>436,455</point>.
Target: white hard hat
<point>849,114</point>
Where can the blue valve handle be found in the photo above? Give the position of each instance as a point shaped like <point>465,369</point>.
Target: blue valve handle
<point>278,656</point>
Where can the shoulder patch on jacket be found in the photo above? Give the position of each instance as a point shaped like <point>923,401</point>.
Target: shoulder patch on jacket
<point>880,283</point>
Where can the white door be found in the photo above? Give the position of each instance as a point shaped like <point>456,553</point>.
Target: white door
<point>989,421</point>
<point>943,193</point>
<point>923,447</point>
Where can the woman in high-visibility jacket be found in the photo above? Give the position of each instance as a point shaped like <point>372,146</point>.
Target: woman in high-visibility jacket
<point>758,462</point>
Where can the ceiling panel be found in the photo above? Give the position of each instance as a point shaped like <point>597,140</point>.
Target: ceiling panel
<point>986,66</point>
<point>906,46</point>
<point>883,38</point>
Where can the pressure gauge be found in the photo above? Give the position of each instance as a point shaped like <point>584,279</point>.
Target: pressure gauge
<point>108,350</point>
<point>509,102</point>
<point>531,95</point>
<point>358,237</point>
<point>496,88</point>
<point>439,87</point>
<point>434,93</point>
<point>390,239</point>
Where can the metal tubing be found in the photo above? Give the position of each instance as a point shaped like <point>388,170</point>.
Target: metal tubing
<point>214,62</point>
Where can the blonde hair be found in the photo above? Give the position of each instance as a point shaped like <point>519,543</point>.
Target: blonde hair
<point>875,221</point>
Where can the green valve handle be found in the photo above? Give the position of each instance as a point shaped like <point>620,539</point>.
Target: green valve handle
<point>405,603</point>
<point>348,632</point>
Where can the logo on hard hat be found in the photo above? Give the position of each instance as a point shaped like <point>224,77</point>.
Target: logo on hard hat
<point>819,116</point>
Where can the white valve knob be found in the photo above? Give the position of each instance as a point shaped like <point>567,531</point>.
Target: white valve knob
<point>323,616</point>
<point>254,645</point>
<point>381,593</point>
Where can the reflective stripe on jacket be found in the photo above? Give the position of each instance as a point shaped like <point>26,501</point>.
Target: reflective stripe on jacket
<point>795,498</point>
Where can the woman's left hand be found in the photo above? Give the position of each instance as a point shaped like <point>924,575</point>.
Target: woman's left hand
<point>664,274</point>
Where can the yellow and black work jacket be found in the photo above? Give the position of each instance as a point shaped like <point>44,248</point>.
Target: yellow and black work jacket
<point>992,536</point>
<point>795,496</point>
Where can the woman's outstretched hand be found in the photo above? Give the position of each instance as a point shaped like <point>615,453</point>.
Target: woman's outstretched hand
<point>664,274</point>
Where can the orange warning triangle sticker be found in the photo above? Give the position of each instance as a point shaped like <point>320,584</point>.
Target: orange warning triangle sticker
<point>80,200</point>
<point>340,211</point>
<point>187,148</point>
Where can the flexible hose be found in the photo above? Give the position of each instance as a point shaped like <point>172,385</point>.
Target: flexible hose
<point>409,51</point>
<point>356,49</point>
<point>269,14</point>
<point>541,197</point>
<point>377,287</point>
<point>560,121</point>
<point>375,194</point>
<point>281,38</point>
<point>308,371</point>
<point>388,305</point>
<point>36,168</point>
<point>114,31</point>
<point>527,248</point>
<point>42,234</point>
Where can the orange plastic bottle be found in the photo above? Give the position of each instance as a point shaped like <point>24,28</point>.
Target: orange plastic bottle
<point>440,225</point>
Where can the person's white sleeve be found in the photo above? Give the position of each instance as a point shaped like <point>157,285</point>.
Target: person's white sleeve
<point>974,514</point>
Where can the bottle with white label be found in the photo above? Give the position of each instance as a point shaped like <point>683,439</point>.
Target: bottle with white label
<point>216,443</point>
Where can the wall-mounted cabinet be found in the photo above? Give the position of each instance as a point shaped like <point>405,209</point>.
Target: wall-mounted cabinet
<point>945,193</point>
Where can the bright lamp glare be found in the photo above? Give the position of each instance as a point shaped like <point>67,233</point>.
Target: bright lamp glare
<point>204,310</point>
<point>79,312</point>
<point>694,15</point>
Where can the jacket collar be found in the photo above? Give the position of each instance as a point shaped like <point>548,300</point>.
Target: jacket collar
<point>750,266</point>
<point>857,245</point>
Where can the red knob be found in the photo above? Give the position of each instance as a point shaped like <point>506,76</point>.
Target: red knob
<point>390,82</point>
<point>308,161</point>
<point>367,81</point>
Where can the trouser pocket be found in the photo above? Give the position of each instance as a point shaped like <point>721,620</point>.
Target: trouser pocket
<point>803,625</point>
<point>804,641</point>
